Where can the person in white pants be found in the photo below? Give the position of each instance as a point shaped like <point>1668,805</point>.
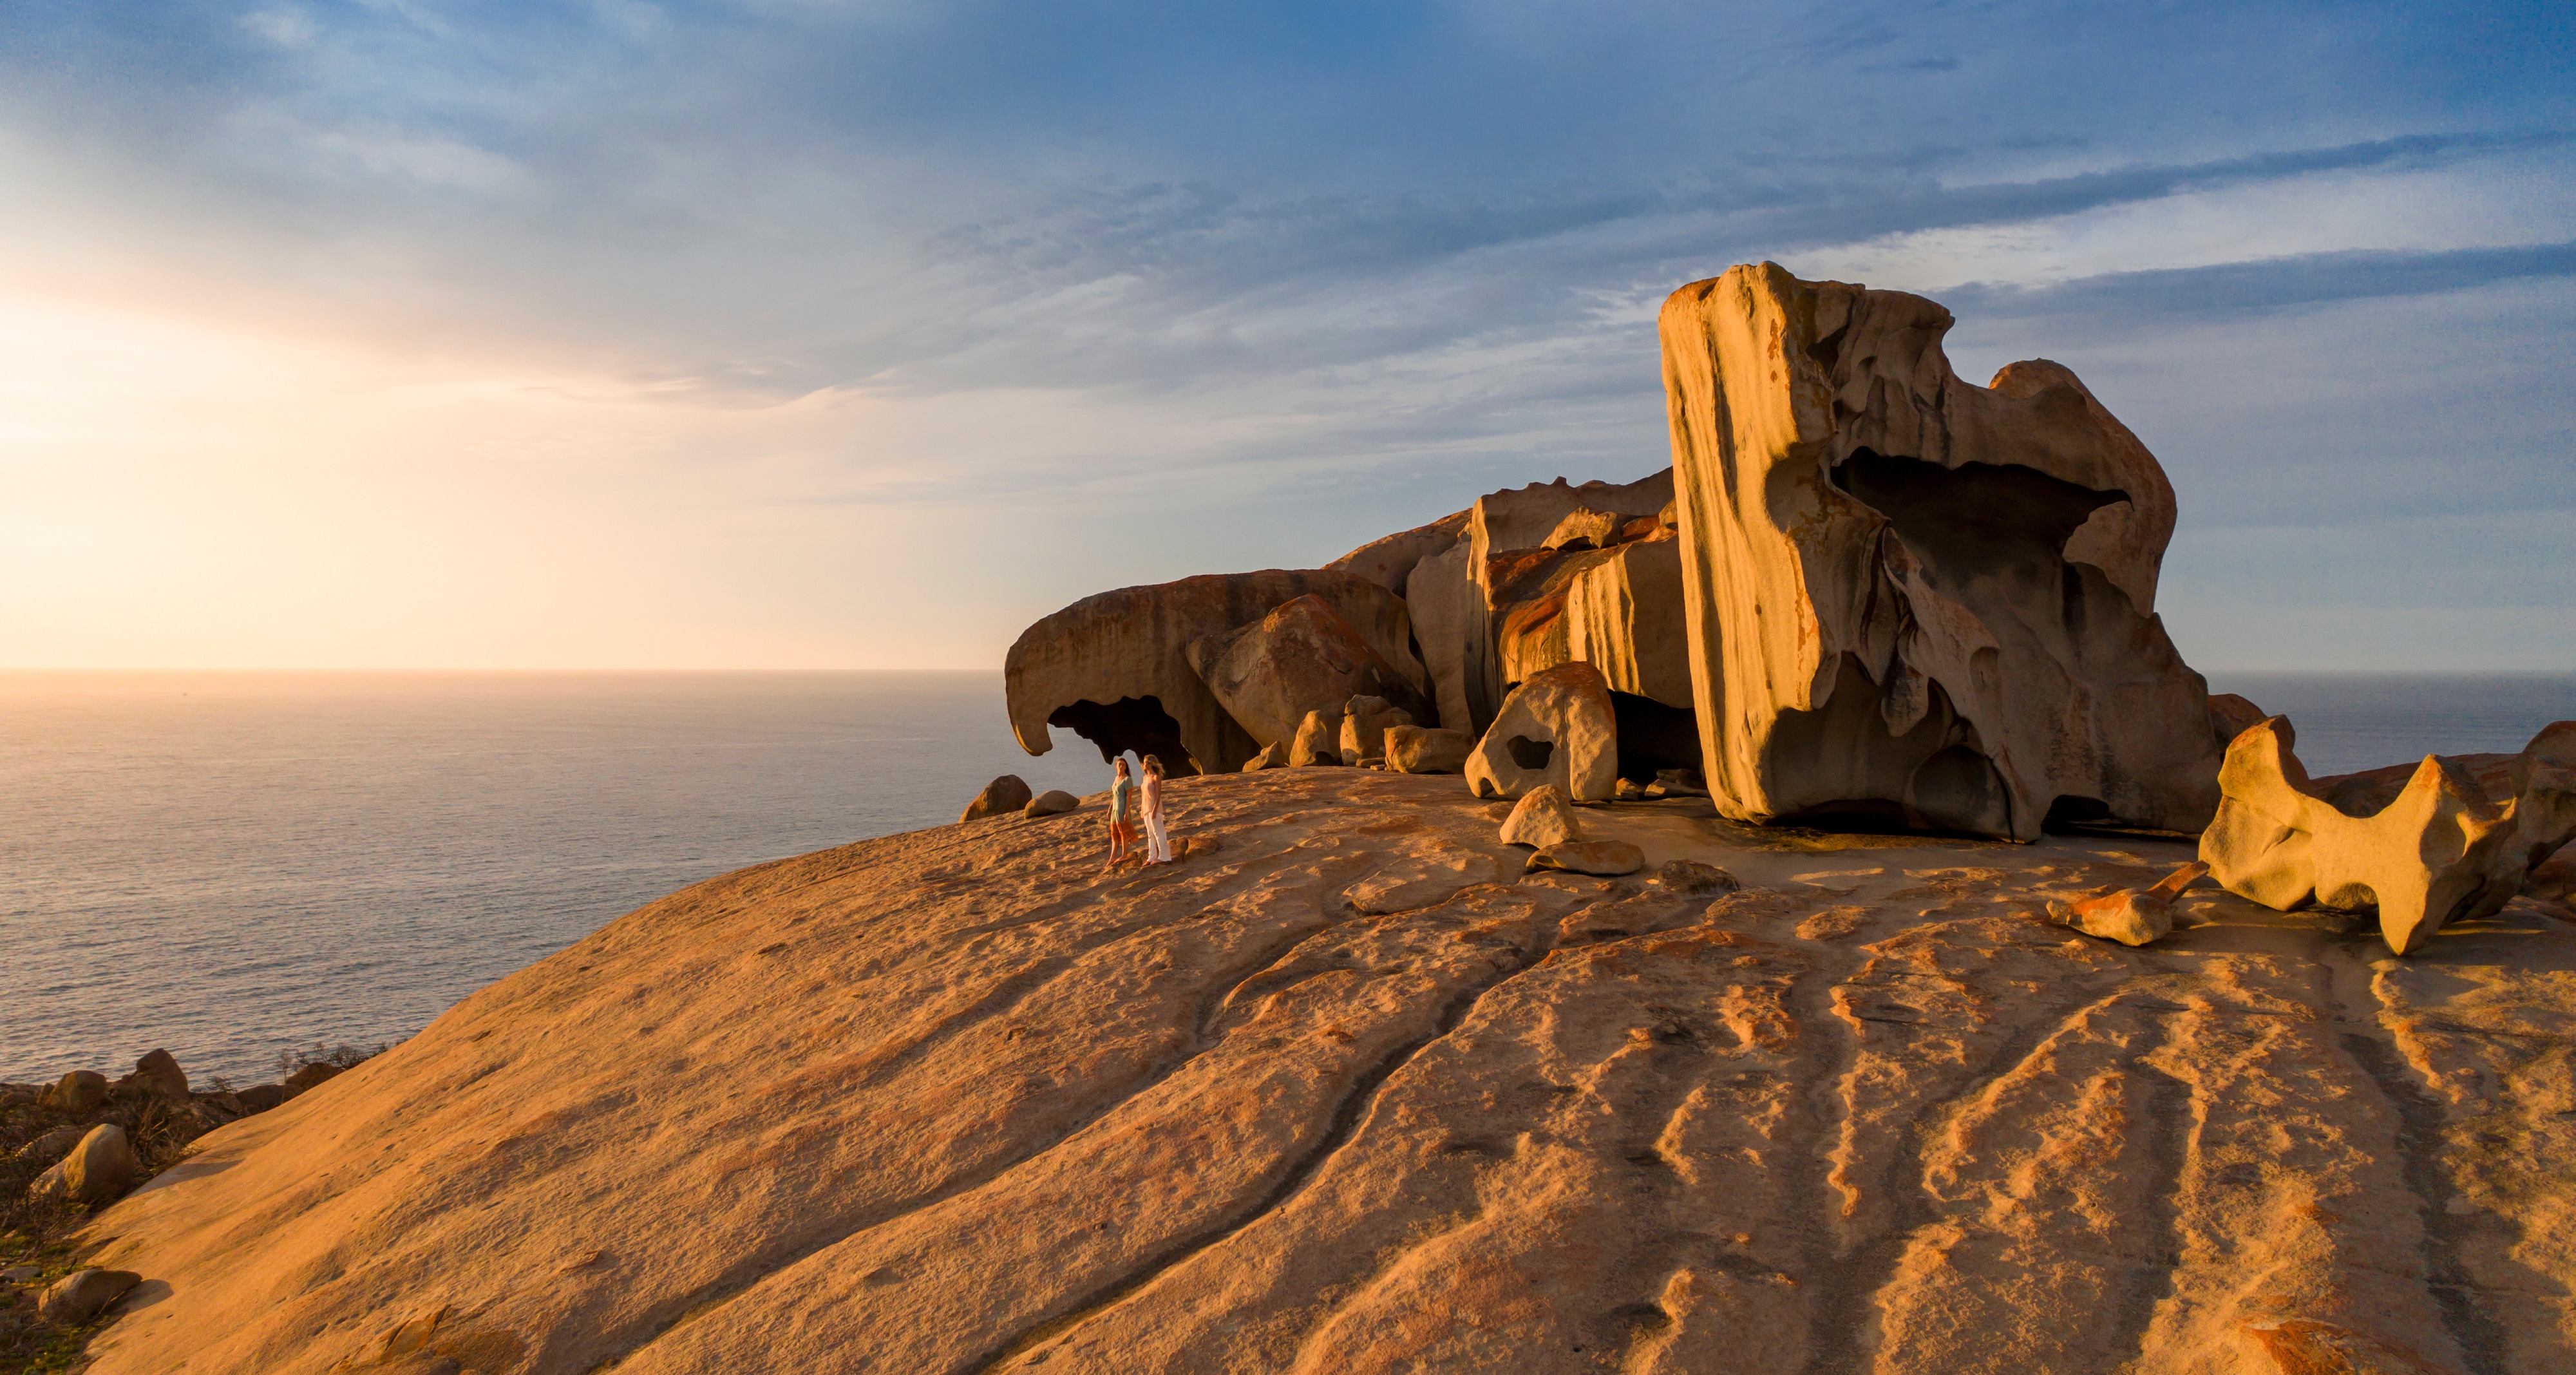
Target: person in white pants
<point>1158,841</point>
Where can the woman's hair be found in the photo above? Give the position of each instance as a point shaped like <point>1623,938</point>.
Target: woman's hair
<point>1122,763</point>
<point>1154,765</point>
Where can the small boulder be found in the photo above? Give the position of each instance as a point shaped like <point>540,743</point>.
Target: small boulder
<point>159,1072</point>
<point>2132,916</point>
<point>1319,739</point>
<point>1364,725</point>
<point>1677,783</point>
<point>1052,802</point>
<point>81,1091</point>
<point>1273,756</point>
<point>1604,858</point>
<point>1000,797</point>
<point>98,1171</point>
<point>1692,878</point>
<point>1558,728</point>
<point>260,1097</point>
<point>84,1294</point>
<point>1542,818</point>
<point>1427,749</point>
<point>311,1076</point>
<point>51,1146</point>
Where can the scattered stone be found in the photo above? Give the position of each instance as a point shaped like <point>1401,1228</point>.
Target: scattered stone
<point>1678,783</point>
<point>1542,818</point>
<point>2132,916</point>
<point>1000,797</point>
<point>81,1091</point>
<point>84,1294</point>
<point>158,1072</point>
<point>99,1170</point>
<point>1628,791</point>
<point>310,1076</point>
<point>1556,728</point>
<point>19,1274</point>
<point>1319,739</point>
<point>1427,749</point>
<point>1365,721</point>
<point>1606,858</point>
<point>1052,802</point>
<point>2443,850</point>
<point>51,1146</point>
<point>260,1097</point>
<point>1690,877</point>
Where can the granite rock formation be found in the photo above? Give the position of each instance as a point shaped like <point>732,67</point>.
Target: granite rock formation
<point>1001,797</point>
<point>1390,562</point>
<point>1914,597</point>
<point>1114,668</point>
<point>1350,1094</point>
<point>1365,722</point>
<point>2442,850</point>
<point>1301,656</point>
<point>2131,916</point>
<point>1319,739</point>
<point>1427,749</point>
<point>1541,818</point>
<point>1558,728</point>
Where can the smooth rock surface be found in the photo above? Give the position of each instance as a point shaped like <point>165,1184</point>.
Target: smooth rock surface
<point>2131,916</point>
<point>988,1108</point>
<point>1427,749</point>
<point>1300,657</point>
<point>84,1294</point>
<point>52,1145</point>
<point>1001,797</point>
<point>1541,818</point>
<point>81,1091</point>
<point>97,1170</point>
<point>1365,722</point>
<point>1319,739</point>
<point>1390,562</point>
<point>1608,858</point>
<point>2442,850</point>
<point>1052,802</point>
<point>1911,595</point>
<point>1557,728</point>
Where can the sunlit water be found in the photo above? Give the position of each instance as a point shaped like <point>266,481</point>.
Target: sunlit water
<point>234,865</point>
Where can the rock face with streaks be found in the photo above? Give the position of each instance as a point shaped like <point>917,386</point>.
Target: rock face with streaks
<point>1115,668</point>
<point>2442,849</point>
<point>1302,656</point>
<point>1909,596</point>
<point>1350,1093</point>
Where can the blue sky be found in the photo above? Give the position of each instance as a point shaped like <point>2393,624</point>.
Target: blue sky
<point>801,334</point>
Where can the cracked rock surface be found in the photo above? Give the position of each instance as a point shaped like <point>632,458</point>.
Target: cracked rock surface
<point>1350,1094</point>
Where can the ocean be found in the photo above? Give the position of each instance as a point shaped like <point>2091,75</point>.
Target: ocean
<point>236,865</point>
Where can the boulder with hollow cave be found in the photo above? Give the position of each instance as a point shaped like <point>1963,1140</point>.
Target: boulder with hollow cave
<point>1114,668</point>
<point>2443,849</point>
<point>1909,596</point>
<point>1300,656</point>
<point>1558,728</point>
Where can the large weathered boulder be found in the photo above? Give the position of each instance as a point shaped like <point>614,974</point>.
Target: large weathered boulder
<point>1001,797</point>
<point>2442,850</point>
<point>1556,728</point>
<point>1445,606</point>
<point>97,1172</point>
<point>1427,749</point>
<point>1390,562</point>
<point>2231,715</point>
<point>1911,596</point>
<point>1052,802</point>
<point>81,1091</point>
<point>1365,722</point>
<point>1302,655</point>
<point>1114,668</point>
<point>1527,547</point>
<point>1623,615</point>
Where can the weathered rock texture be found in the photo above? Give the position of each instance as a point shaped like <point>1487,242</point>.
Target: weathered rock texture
<point>2131,916</point>
<point>1909,595</point>
<point>1001,797</point>
<point>1558,728</point>
<point>1302,656</point>
<point>97,1171</point>
<point>1114,668</point>
<point>1427,749</point>
<point>1390,562</point>
<point>1541,818</point>
<point>1554,577</point>
<point>1347,1095</point>
<point>1365,722</point>
<point>2442,850</point>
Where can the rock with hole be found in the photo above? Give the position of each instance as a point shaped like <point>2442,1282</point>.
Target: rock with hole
<point>1557,728</point>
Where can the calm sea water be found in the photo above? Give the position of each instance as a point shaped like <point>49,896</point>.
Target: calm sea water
<point>234,865</point>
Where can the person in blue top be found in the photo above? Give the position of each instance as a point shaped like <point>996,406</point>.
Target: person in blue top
<point>1122,833</point>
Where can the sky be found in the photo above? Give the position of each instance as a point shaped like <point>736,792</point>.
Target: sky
<point>793,334</point>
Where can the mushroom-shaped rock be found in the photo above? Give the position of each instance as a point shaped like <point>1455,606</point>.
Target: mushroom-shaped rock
<point>1556,728</point>
<point>1115,667</point>
<point>1001,797</point>
<point>2131,916</point>
<point>1542,818</point>
<point>1301,656</point>
<point>1909,595</point>
<point>84,1294</point>
<point>97,1172</point>
<point>1052,802</point>
<point>1319,739</point>
<point>1365,721</point>
<point>1605,858</point>
<point>1427,749</point>
<point>2442,850</point>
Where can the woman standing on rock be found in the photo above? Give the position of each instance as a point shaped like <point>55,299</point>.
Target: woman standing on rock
<point>1158,842</point>
<point>1121,833</point>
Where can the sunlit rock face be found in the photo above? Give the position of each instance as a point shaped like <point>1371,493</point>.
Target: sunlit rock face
<point>1911,597</point>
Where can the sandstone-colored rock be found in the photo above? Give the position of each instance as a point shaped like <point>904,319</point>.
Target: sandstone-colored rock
<point>2231,715</point>
<point>998,1111</point>
<point>1319,739</point>
<point>1390,562</point>
<point>158,1072</point>
<point>1691,878</point>
<point>84,1294</point>
<point>1446,606</point>
<point>2553,879</point>
<point>99,1169</point>
<point>1300,657</point>
<point>2131,916</point>
<point>1608,858</point>
<point>1585,528</point>
<point>51,1146</point>
<point>1679,783</point>
<point>1114,668</point>
<point>1556,728</point>
<point>1052,802</point>
<point>1001,797</point>
<point>1624,616</point>
<point>1365,722</point>
<point>1272,756</point>
<point>1522,591</point>
<point>79,1092</point>
<point>2442,850</point>
<point>1911,595</point>
<point>1542,818</point>
<point>1427,749</point>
